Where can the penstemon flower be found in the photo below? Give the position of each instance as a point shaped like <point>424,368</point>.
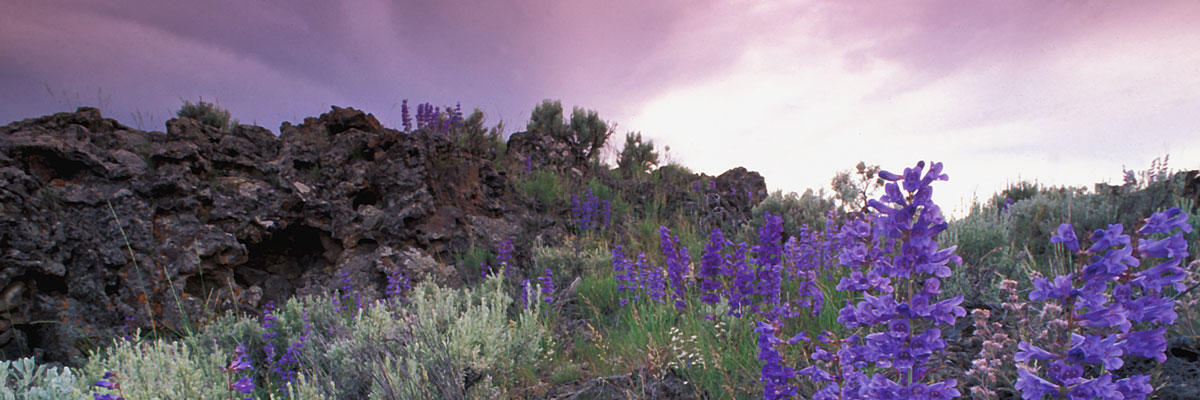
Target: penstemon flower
<point>901,316</point>
<point>627,278</point>
<point>769,267</point>
<point>1107,310</point>
<point>775,373</point>
<point>742,277</point>
<point>677,264</point>
<point>547,282</point>
<point>711,264</point>
<point>110,382</point>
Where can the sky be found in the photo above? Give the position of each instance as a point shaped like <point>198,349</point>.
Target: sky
<point>1057,92</point>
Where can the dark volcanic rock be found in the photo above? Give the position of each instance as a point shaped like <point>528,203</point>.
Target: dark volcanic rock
<point>103,225</point>
<point>228,220</point>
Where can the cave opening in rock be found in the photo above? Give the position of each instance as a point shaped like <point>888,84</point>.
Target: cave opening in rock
<point>49,165</point>
<point>367,196</point>
<point>278,263</point>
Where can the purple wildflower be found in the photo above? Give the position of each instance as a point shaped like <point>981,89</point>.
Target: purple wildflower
<point>404,117</point>
<point>397,284</point>
<point>525,289</point>
<point>677,264</point>
<point>239,360</point>
<point>710,268</point>
<point>547,282</point>
<point>244,385</point>
<point>1130,321</point>
<point>589,212</point>
<point>774,374</point>
<point>269,319</point>
<point>1066,236</point>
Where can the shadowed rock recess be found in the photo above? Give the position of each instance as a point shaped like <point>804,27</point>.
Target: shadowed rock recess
<point>103,226</point>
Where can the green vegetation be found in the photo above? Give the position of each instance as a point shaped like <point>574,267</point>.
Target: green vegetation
<point>547,187</point>
<point>585,134</point>
<point>208,114</point>
<point>482,340</point>
<point>636,157</point>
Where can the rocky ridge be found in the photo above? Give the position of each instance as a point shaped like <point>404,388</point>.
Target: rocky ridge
<point>102,225</point>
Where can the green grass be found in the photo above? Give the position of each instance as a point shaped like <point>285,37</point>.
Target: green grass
<point>548,188</point>
<point>624,339</point>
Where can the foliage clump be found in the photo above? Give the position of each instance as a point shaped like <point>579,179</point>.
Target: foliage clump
<point>208,114</point>
<point>637,156</point>
<point>585,134</point>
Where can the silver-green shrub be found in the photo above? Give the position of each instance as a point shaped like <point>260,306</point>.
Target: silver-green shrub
<point>983,239</point>
<point>208,114</point>
<point>160,370</point>
<point>23,379</point>
<point>565,261</point>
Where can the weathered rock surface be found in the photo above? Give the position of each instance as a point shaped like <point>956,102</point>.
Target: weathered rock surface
<point>103,226</point>
<point>220,220</point>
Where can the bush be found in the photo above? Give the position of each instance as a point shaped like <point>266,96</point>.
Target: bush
<point>23,379</point>
<point>796,210</point>
<point>437,343</point>
<point>160,370</point>
<point>545,187</point>
<point>852,189</point>
<point>636,157</point>
<point>208,114</point>
<point>547,119</point>
<point>585,135</point>
<point>985,245</point>
<point>568,262</point>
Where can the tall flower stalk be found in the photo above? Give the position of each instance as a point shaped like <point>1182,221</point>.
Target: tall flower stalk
<point>899,313</point>
<point>1105,310</point>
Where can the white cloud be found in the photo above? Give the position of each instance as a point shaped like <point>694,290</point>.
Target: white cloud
<point>797,110</point>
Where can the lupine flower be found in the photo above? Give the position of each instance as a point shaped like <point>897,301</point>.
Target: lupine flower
<point>590,212</point>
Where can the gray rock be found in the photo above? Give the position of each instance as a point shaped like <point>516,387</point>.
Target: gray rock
<point>101,221</point>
